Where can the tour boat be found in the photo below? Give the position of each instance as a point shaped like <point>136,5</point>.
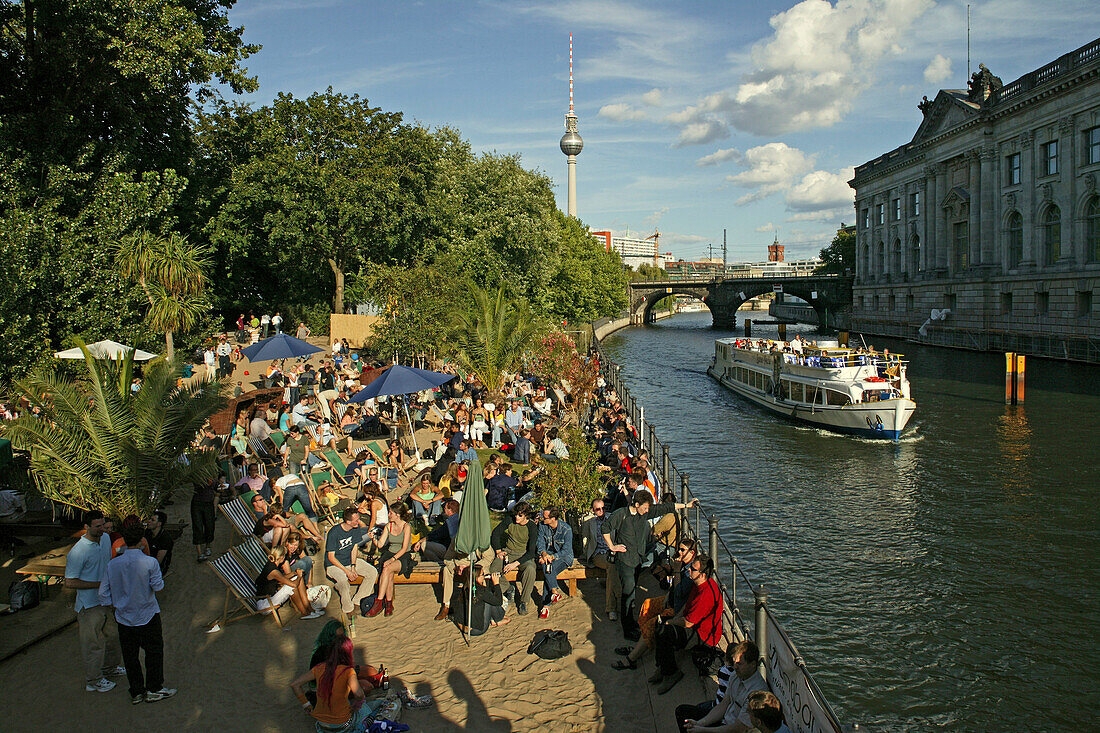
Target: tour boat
<point>824,385</point>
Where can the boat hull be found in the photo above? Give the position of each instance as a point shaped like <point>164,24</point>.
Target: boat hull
<point>884,420</point>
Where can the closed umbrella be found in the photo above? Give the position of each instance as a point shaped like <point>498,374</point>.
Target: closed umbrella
<point>473,528</point>
<point>279,346</point>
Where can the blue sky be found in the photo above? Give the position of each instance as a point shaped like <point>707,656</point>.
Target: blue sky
<point>695,116</point>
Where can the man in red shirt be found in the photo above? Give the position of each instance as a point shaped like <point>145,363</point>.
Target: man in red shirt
<point>699,622</point>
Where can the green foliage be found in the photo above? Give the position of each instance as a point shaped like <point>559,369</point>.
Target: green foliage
<point>416,302</point>
<point>572,484</point>
<point>492,337</point>
<point>840,256</point>
<point>558,362</point>
<point>646,271</point>
<point>589,281</point>
<point>103,447</point>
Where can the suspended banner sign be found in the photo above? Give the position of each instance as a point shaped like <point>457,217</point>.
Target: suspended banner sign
<point>778,287</point>
<point>802,709</point>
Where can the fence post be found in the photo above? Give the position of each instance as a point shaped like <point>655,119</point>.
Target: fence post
<point>652,446</point>
<point>665,474</point>
<point>733,583</point>
<point>713,548</point>
<point>684,494</point>
<point>762,629</point>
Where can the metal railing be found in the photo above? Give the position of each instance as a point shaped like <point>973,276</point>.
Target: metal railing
<point>700,525</point>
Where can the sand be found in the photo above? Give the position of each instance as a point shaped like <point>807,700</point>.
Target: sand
<point>238,679</point>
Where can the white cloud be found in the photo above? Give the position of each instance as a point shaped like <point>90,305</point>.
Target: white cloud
<point>720,156</point>
<point>771,168</point>
<point>819,58</point>
<point>769,227</point>
<point>938,69</point>
<point>654,98</point>
<point>700,133</point>
<point>823,215</point>
<point>622,112</point>
<point>820,190</point>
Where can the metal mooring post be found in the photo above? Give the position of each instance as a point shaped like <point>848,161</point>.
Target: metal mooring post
<point>665,476</point>
<point>714,543</point>
<point>762,629</point>
<point>684,499</point>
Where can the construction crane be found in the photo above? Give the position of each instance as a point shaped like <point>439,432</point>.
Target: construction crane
<point>656,237</point>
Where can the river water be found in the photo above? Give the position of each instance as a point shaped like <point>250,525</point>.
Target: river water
<point>949,579</point>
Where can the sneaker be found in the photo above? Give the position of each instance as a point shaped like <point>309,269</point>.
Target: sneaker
<point>137,699</point>
<point>162,694</point>
<point>555,597</point>
<point>521,608</point>
<point>544,612</point>
<point>118,671</point>
<point>315,614</point>
<point>101,685</point>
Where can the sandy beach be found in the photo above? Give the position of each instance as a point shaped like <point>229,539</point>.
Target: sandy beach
<point>238,679</point>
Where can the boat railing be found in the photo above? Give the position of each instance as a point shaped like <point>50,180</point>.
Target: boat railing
<point>803,701</point>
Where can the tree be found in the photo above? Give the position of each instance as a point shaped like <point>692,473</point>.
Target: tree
<point>101,446</point>
<point>574,483</point>
<point>589,281</point>
<point>415,301</point>
<point>492,336</point>
<point>172,274</point>
<point>840,256</point>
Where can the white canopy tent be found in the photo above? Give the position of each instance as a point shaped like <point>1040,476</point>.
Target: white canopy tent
<point>105,350</point>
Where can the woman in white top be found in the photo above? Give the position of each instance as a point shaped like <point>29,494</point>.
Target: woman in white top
<point>336,347</point>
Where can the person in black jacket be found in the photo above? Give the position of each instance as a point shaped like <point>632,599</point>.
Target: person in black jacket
<point>514,544</point>
<point>488,606</point>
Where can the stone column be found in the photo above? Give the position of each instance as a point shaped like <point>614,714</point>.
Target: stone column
<point>1068,199</point>
<point>1027,195</point>
<point>988,242</point>
<point>941,222</point>
<point>928,245</point>
<point>974,186</point>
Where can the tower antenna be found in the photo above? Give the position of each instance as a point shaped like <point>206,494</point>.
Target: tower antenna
<point>571,143</point>
<point>967,51</point>
<point>571,66</point>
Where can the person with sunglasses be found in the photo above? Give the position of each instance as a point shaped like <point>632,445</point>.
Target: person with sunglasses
<point>699,622</point>
<point>596,555</point>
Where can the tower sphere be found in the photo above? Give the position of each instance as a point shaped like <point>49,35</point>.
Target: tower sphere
<point>571,143</point>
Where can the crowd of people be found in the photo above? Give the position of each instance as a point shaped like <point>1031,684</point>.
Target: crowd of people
<point>398,511</point>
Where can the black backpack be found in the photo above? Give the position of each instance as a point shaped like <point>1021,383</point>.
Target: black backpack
<point>550,644</point>
<point>23,594</point>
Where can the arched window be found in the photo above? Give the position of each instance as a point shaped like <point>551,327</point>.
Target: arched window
<point>880,259</point>
<point>865,260</point>
<point>895,257</point>
<point>1014,234</point>
<point>1092,229</point>
<point>1052,235</point>
<point>914,255</point>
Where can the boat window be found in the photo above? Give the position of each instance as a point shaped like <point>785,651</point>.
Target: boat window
<point>837,398</point>
<point>797,392</point>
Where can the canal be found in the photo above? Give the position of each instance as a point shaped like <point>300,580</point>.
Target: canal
<point>947,580</point>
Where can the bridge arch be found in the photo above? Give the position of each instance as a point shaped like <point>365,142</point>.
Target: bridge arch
<point>643,300</point>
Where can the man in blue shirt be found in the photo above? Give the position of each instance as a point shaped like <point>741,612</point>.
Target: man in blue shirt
<point>522,452</point>
<point>84,569</point>
<point>465,454</point>
<point>555,552</point>
<point>130,585</point>
<point>513,420</point>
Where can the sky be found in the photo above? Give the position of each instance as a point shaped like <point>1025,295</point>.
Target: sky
<point>696,117</point>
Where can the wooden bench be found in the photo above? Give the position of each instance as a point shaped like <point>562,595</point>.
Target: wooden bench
<point>432,572</point>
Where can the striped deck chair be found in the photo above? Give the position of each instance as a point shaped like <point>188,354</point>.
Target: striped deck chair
<point>252,553</point>
<point>239,515</point>
<point>263,452</point>
<point>313,484</point>
<point>239,583</point>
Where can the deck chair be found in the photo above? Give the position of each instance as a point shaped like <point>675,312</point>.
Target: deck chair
<point>239,583</point>
<point>265,454</point>
<point>313,484</point>
<point>240,515</point>
<point>277,438</point>
<point>252,553</point>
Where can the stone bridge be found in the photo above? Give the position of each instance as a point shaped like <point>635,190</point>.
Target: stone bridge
<point>723,296</point>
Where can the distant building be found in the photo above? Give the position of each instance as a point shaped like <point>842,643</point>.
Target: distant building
<point>990,211</point>
<point>713,268</point>
<point>633,251</point>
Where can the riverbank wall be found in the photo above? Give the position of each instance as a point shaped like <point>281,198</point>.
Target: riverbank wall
<point>602,327</point>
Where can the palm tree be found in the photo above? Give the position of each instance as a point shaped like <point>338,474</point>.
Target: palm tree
<point>491,338</point>
<point>172,273</point>
<point>100,445</point>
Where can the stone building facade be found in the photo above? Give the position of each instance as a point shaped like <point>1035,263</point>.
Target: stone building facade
<point>992,212</point>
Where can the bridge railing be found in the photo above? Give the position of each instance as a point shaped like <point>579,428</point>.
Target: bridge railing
<point>804,703</point>
<point>712,277</point>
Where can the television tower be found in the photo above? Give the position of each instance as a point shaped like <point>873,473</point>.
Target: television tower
<point>571,143</point>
